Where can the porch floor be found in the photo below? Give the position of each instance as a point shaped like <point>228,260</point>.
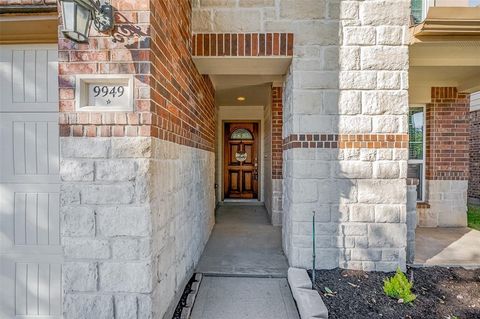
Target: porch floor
<point>244,243</point>
<point>447,247</point>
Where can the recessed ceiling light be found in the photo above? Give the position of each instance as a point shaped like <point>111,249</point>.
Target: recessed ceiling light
<point>241,98</point>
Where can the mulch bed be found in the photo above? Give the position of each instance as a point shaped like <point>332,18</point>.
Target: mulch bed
<point>183,300</point>
<point>441,293</point>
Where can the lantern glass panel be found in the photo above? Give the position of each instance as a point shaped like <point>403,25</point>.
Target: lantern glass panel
<point>76,21</point>
<point>83,20</point>
<point>68,15</point>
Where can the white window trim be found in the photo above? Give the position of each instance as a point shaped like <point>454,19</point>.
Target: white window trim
<point>426,6</point>
<point>422,161</point>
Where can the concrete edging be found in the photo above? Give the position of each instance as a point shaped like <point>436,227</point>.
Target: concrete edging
<point>309,303</point>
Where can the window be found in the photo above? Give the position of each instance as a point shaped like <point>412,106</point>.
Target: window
<point>416,147</point>
<point>417,11</point>
<point>241,134</point>
<point>420,7</point>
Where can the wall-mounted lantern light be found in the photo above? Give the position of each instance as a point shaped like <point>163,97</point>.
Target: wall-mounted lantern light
<point>78,15</point>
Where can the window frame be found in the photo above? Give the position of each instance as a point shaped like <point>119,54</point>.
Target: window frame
<point>424,144</point>
<point>426,4</point>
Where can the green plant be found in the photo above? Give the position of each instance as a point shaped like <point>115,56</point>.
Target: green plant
<point>473,215</point>
<point>399,287</point>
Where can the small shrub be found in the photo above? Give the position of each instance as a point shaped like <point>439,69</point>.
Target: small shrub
<point>399,287</point>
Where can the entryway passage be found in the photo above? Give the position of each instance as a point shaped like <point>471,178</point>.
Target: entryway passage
<point>243,242</point>
<point>244,269</point>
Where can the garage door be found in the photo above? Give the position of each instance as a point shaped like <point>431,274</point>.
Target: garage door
<point>30,250</point>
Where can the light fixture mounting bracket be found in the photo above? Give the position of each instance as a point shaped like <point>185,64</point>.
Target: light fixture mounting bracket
<point>103,18</point>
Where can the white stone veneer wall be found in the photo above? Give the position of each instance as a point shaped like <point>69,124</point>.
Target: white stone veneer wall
<point>183,208</point>
<point>349,75</point>
<point>448,204</point>
<point>135,217</point>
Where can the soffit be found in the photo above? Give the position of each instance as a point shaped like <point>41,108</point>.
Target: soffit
<point>457,53</point>
<point>242,66</point>
<point>253,94</point>
<point>465,78</point>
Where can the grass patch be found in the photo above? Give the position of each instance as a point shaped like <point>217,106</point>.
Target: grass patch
<point>473,216</point>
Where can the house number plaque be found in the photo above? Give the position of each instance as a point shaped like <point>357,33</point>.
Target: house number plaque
<point>104,93</point>
<point>107,95</point>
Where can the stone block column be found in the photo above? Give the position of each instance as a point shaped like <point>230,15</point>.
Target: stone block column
<point>345,135</point>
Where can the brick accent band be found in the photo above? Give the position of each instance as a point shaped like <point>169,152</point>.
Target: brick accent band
<point>346,141</point>
<point>242,44</point>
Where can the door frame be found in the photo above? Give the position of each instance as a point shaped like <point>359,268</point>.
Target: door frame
<point>260,155</point>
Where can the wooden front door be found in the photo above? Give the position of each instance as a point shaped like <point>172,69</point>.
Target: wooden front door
<point>240,160</point>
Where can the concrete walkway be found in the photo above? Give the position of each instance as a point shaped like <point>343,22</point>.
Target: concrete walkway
<point>244,298</point>
<point>447,247</point>
<point>244,269</point>
<point>243,242</point>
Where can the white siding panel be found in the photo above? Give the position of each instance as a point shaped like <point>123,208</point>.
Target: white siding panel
<point>18,146</point>
<point>31,219</point>
<point>20,218</point>
<point>42,148</point>
<point>41,76</point>
<point>30,251</point>
<point>30,79</point>
<point>54,218</point>
<point>21,289</point>
<point>32,142</point>
<point>30,148</point>
<point>29,76</point>
<point>52,77</point>
<point>43,289</point>
<point>475,101</point>
<point>32,289</point>
<point>42,218</point>
<point>33,214</point>
<point>53,148</point>
<point>17,75</point>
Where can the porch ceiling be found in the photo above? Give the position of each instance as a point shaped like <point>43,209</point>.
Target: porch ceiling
<point>443,64</point>
<point>423,78</point>
<point>242,66</point>
<point>255,95</point>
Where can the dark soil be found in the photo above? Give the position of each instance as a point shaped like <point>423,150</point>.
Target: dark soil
<point>183,300</point>
<point>441,293</point>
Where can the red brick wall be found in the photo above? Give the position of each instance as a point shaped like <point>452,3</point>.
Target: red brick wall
<point>447,135</point>
<point>242,44</point>
<point>474,182</point>
<point>182,99</point>
<point>172,101</point>
<point>277,123</point>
